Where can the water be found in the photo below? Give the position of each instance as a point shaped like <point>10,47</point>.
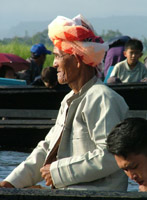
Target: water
<point>10,159</point>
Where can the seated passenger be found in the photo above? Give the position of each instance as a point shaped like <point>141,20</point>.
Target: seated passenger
<point>48,78</point>
<point>130,70</point>
<point>73,154</point>
<point>115,52</point>
<point>128,143</point>
<point>37,60</point>
<point>7,72</point>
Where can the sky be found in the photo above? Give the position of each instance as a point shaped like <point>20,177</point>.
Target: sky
<point>12,12</point>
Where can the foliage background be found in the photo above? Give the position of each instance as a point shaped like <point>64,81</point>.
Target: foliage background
<point>21,45</point>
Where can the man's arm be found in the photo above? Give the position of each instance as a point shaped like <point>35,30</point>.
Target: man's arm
<point>5,184</point>
<point>113,80</point>
<point>144,79</point>
<point>114,71</point>
<point>28,172</point>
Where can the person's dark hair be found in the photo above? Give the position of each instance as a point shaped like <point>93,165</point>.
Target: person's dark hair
<point>4,69</point>
<point>118,41</point>
<point>129,136</point>
<point>49,75</point>
<point>134,44</point>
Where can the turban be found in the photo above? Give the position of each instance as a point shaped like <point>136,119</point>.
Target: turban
<point>76,36</point>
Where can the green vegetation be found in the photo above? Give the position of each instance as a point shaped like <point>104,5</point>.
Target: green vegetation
<point>144,55</point>
<point>23,50</point>
<point>21,45</point>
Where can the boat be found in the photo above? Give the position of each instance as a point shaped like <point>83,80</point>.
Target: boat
<point>135,94</point>
<point>28,112</point>
<point>60,194</point>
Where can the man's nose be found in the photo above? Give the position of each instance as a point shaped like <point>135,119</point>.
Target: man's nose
<point>55,64</point>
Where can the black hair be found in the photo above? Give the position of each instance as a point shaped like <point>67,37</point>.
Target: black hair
<point>49,75</point>
<point>129,136</point>
<point>134,44</point>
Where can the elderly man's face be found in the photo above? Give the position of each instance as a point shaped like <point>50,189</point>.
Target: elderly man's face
<point>135,166</point>
<point>66,64</point>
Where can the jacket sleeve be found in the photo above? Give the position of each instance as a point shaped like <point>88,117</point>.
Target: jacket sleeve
<point>114,72</point>
<point>28,172</point>
<point>100,116</point>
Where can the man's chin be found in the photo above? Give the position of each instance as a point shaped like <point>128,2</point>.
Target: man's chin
<point>62,82</point>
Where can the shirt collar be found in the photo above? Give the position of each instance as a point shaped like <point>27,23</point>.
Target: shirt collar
<point>134,69</point>
<point>85,87</point>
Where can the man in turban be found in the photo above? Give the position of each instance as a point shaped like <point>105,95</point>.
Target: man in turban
<point>73,154</point>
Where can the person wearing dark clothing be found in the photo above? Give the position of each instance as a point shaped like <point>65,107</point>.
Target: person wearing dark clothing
<point>7,72</point>
<point>48,78</point>
<point>37,59</point>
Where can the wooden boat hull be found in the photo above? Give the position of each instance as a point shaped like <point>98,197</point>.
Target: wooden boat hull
<point>17,136</point>
<point>135,94</point>
<point>59,194</point>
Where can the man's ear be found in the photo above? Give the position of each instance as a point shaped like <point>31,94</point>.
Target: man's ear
<point>79,61</point>
<point>124,52</point>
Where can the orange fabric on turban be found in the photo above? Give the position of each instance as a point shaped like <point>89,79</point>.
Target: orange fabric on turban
<point>76,36</point>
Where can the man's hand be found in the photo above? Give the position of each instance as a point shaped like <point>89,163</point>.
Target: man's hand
<point>142,188</point>
<point>6,184</point>
<point>144,79</point>
<point>45,172</point>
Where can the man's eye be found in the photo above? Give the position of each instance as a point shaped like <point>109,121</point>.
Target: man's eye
<point>56,56</point>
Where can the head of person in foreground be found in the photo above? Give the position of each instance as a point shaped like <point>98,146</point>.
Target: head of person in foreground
<point>128,143</point>
<point>77,50</point>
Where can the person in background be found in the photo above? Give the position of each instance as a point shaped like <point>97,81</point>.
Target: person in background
<point>128,143</point>
<point>48,79</point>
<point>37,59</point>
<point>7,72</point>
<point>131,69</point>
<point>73,154</point>
<point>115,52</point>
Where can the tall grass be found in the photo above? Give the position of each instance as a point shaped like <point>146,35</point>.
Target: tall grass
<point>23,51</point>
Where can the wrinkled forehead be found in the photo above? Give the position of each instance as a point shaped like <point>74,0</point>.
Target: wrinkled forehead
<point>58,51</point>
